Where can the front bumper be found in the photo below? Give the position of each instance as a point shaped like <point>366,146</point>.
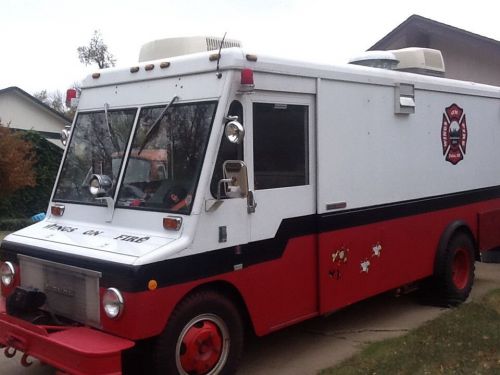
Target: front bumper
<point>75,350</point>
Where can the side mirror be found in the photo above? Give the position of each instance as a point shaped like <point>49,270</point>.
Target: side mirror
<point>235,179</point>
<point>234,131</point>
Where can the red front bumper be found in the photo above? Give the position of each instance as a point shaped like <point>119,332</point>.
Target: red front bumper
<point>75,350</point>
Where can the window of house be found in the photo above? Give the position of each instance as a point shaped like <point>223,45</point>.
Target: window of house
<point>280,145</point>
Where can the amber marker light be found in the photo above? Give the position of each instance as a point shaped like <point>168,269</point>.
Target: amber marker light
<point>172,222</point>
<point>57,209</point>
<point>214,57</point>
<point>164,64</point>
<point>152,285</point>
<point>252,58</point>
<point>149,67</point>
<point>96,75</point>
<point>134,69</point>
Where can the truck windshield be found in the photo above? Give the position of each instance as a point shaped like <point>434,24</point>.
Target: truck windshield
<point>97,146</point>
<point>163,169</point>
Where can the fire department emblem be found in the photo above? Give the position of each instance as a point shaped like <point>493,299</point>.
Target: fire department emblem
<point>454,134</point>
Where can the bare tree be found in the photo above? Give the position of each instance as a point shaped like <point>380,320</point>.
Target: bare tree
<point>53,99</point>
<point>96,52</point>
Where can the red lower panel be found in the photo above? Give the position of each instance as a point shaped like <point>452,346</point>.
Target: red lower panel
<point>76,350</point>
<point>276,293</point>
<point>316,274</point>
<point>489,229</point>
<point>385,255</point>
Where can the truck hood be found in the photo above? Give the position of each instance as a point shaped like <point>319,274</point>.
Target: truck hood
<point>115,244</point>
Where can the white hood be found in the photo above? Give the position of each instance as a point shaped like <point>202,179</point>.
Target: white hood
<point>111,243</point>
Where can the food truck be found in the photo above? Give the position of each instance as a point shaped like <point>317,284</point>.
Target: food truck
<point>209,193</point>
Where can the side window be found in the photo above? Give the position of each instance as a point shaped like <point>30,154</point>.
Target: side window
<point>280,145</point>
<point>227,150</point>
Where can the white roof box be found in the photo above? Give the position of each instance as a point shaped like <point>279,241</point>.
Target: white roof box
<point>420,60</point>
<point>162,48</point>
<point>414,59</point>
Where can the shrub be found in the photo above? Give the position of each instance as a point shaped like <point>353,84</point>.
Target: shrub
<point>31,200</point>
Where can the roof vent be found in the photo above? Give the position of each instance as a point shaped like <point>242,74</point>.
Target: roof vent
<point>376,59</point>
<point>415,60</point>
<point>163,48</point>
<point>420,60</point>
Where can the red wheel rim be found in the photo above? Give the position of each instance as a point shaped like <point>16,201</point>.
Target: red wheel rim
<point>201,347</point>
<point>460,271</point>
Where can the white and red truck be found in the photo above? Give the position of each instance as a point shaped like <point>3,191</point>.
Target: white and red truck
<point>205,193</point>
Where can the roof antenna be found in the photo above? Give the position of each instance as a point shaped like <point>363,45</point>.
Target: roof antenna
<point>219,74</point>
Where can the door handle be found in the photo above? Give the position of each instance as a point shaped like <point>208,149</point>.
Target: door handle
<point>251,203</point>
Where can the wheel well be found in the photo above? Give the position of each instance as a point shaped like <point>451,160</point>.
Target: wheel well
<point>229,291</point>
<point>452,229</point>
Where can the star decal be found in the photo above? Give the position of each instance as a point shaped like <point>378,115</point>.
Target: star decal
<point>377,249</point>
<point>365,266</point>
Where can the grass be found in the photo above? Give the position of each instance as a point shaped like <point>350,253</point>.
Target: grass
<point>465,340</point>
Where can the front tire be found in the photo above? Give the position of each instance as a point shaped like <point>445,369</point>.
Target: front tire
<point>204,336</point>
<point>454,272</point>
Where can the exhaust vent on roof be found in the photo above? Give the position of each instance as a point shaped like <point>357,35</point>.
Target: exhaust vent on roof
<point>170,47</point>
<point>415,60</point>
<point>420,60</point>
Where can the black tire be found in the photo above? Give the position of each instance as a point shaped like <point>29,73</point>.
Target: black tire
<point>204,336</point>
<point>454,271</point>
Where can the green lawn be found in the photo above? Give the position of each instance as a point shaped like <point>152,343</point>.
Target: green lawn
<point>465,340</point>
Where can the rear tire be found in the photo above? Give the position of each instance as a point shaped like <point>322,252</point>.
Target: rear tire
<point>204,336</point>
<point>454,272</point>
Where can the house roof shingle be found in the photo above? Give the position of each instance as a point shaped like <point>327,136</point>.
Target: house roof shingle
<point>426,24</point>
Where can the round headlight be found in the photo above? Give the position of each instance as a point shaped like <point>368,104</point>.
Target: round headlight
<point>7,273</point>
<point>65,135</point>
<point>94,187</point>
<point>234,132</point>
<point>113,303</point>
<point>100,184</point>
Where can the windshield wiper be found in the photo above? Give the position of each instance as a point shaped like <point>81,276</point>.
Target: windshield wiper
<point>110,130</point>
<point>155,124</point>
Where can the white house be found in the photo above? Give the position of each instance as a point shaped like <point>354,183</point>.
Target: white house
<point>467,56</point>
<point>23,111</point>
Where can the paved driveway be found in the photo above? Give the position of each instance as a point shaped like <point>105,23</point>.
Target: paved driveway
<point>322,342</point>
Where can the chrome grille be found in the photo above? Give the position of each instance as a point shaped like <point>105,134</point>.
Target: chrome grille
<point>71,292</point>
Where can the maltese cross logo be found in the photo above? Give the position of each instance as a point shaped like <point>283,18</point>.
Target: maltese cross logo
<point>454,134</point>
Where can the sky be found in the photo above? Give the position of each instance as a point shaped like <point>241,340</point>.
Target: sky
<point>39,38</point>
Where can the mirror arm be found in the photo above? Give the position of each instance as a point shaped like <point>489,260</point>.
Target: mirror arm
<point>221,182</point>
<point>212,204</point>
<point>110,203</point>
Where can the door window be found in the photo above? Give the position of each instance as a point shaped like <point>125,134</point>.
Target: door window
<point>280,145</point>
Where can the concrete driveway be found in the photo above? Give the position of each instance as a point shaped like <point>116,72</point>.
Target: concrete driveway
<point>322,342</point>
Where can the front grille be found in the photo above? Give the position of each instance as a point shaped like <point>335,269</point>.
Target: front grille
<point>71,292</point>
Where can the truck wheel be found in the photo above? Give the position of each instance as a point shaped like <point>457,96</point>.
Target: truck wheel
<point>204,336</point>
<point>454,274</point>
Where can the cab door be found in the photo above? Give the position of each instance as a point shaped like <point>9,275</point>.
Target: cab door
<point>282,174</point>
<point>280,156</point>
